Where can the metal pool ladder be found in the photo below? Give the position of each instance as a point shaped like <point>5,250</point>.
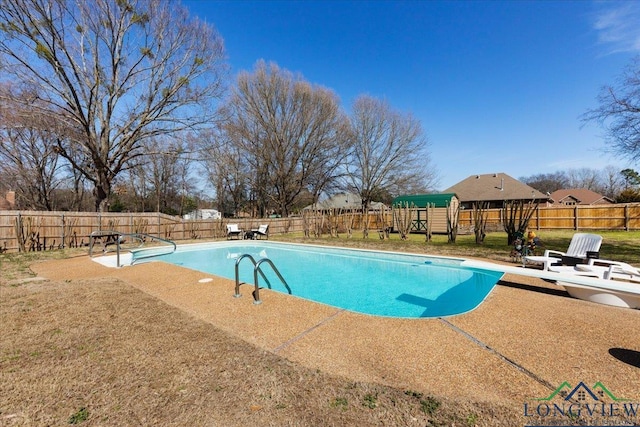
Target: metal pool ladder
<point>256,270</point>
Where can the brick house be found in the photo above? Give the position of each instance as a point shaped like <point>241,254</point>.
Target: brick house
<point>577,196</point>
<point>8,201</point>
<point>494,188</point>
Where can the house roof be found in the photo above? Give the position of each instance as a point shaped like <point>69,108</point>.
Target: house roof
<point>494,186</point>
<point>581,196</point>
<point>440,200</point>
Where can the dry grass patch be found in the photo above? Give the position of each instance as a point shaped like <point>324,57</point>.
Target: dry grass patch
<point>98,352</point>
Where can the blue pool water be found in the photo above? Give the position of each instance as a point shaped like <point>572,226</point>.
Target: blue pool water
<point>370,282</point>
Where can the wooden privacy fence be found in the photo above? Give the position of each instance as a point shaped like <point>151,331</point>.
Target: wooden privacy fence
<point>596,217</point>
<point>46,230</point>
<point>43,230</point>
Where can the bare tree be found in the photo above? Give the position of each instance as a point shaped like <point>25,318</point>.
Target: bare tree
<point>226,167</point>
<point>27,150</point>
<point>138,188</point>
<point>516,215</point>
<point>584,178</point>
<point>161,178</point>
<point>389,152</point>
<point>34,167</point>
<point>122,71</point>
<point>74,195</point>
<point>291,132</point>
<point>612,182</point>
<point>480,215</point>
<point>547,182</point>
<point>619,113</point>
<point>606,181</point>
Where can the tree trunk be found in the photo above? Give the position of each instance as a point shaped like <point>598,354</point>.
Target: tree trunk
<point>101,192</point>
<point>480,221</point>
<point>516,217</point>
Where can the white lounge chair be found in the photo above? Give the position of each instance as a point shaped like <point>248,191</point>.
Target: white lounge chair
<point>624,290</point>
<point>262,231</point>
<point>234,231</point>
<point>602,269</point>
<point>581,247</point>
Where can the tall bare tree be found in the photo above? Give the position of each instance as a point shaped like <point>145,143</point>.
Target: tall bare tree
<point>226,168</point>
<point>584,178</point>
<point>122,71</point>
<point>292,133</point>
<point>27,151</point>
<point>619,112</point>
<point>612,182</point>
<point>389,152</point>
<point>34,167</point>
<point>607,181</point>
<point>547,182</point>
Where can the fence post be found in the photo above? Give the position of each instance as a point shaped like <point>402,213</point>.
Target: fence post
<point>63,245</point>
<point>19,225</point>
<point>575,217</point>
<point>626,217</point>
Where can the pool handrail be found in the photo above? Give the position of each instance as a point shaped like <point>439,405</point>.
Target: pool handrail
<point>118,239</point>
<point>237,269</point>
<point>137,253</point>
<point>256,270</point>
<point>255,278</point>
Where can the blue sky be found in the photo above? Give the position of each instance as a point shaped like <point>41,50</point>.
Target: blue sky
<point>499,86</point>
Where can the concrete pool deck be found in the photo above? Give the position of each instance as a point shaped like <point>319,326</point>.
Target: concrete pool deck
<point>524,341</point>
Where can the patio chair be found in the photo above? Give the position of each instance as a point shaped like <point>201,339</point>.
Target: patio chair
<point>602,269</point>
<point>262,231</point>
<point>234,231</point>
<point>583,246</point>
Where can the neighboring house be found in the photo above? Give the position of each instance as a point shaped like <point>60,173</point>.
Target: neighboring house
<point>577,196</point>
<point>203,214</point>
<point>345,201</point>
<point>8,202</point>
<point>494,188</point>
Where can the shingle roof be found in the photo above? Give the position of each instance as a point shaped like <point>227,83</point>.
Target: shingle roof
<point>582,196</point>
<point>494,186</point>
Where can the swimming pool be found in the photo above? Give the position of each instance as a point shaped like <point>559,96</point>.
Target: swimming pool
<point>364,281</point>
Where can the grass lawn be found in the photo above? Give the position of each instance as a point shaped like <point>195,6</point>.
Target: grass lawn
<point>616,245</point>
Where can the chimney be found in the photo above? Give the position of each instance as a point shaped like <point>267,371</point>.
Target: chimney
<point>11,198</point>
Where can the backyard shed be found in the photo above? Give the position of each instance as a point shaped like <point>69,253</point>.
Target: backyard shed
<point>441,202</point>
